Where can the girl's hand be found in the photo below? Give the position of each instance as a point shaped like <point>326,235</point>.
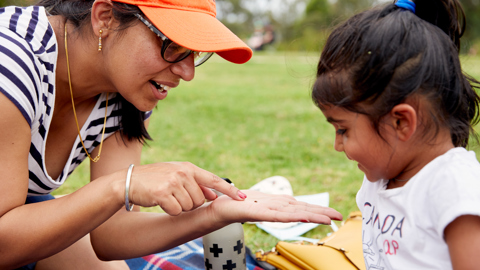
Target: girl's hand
<point>267,207</point>
<point>177,186</point>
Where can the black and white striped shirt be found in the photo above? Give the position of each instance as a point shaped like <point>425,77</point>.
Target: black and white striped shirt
<point>28,56</point>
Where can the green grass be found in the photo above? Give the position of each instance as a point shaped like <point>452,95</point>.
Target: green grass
<point>252,121</point>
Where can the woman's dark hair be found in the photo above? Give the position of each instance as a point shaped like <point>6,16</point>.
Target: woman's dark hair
<point>78,13</point>
<point>385,55</point>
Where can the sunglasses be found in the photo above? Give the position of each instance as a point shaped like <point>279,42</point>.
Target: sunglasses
<point>171,51</point>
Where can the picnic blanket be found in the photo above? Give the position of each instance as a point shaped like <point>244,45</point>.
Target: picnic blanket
<point>188,256</point>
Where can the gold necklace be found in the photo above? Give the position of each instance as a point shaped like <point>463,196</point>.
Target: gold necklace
<point>97,158</point>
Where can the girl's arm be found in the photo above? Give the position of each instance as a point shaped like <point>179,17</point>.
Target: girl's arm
<point>463,240</point>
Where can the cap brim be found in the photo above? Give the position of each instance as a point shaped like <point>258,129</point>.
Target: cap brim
<point>199,32</point>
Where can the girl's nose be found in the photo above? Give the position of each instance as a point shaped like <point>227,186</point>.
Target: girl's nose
<point>185,68</point>
<point>338,145</point>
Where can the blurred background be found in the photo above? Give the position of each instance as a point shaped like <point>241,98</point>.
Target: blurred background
<point>303,24</point>
<point>252,121</point>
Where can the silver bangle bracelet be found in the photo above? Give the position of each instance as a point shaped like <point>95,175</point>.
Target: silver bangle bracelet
<point>128,206</point>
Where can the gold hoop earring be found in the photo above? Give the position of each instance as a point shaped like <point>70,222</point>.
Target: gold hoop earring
<point>100,40</point>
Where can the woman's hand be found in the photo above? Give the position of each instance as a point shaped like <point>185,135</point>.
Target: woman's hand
<point>177,186</point>
<point>267,207</point>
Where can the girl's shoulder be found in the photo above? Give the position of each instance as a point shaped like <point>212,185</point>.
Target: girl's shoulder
<point>449,177</point>
<point>458,163</point>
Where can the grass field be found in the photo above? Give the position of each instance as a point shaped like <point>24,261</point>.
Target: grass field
<point>252,121</point>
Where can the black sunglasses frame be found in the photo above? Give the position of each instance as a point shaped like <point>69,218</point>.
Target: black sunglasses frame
<point>166,42</point>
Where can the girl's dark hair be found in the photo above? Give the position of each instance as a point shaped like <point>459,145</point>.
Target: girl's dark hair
<point>382,56</point>
<point>78,12</point>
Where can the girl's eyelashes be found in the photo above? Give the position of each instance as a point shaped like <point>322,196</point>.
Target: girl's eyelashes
<point>341,131</point>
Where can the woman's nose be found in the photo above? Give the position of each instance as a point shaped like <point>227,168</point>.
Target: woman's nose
<point>185,68</point>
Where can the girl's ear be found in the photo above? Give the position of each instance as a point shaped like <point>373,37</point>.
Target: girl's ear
<point>102,17</point>
<point>404,117</point>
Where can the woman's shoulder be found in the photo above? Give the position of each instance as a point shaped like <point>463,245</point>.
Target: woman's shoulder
<point>28,53</point>
<point>28,29</point>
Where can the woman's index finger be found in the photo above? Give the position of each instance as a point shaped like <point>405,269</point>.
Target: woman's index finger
<point>210,180</point>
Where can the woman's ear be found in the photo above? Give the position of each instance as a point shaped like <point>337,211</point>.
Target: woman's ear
<point>102,17</point>
<point>404,118</point>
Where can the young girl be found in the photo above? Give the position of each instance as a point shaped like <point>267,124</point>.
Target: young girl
<point>389,80</point>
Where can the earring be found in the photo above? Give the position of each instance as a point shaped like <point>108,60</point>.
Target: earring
<point>100,40</point>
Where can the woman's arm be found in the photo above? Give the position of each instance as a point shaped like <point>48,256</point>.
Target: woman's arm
<point>135,234</point>
<point>463,239</point>
<point>32,232</point>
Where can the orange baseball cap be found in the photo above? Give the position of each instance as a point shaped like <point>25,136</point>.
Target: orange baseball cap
<point>193,25</point>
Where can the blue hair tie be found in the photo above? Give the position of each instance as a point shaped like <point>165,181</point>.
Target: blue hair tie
<point>406,4</point>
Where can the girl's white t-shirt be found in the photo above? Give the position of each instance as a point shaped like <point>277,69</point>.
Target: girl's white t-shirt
<point>403,228</point>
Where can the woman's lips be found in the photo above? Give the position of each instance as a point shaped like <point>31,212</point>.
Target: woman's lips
<point>160,91</point>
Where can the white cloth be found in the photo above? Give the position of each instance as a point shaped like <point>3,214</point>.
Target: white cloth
<point>403,227</point>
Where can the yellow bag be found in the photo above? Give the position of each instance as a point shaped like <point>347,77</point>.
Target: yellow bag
<point>340,250</point>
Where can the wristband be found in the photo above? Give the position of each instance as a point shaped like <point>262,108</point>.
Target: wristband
<point>128,206</point>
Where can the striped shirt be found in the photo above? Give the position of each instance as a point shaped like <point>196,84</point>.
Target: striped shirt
<point>28,57</point>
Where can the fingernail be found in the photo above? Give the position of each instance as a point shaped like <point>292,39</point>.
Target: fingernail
<point>242,195</point>
<point>304,221</point>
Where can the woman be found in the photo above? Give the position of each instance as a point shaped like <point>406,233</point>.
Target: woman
<point>78,80</point>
